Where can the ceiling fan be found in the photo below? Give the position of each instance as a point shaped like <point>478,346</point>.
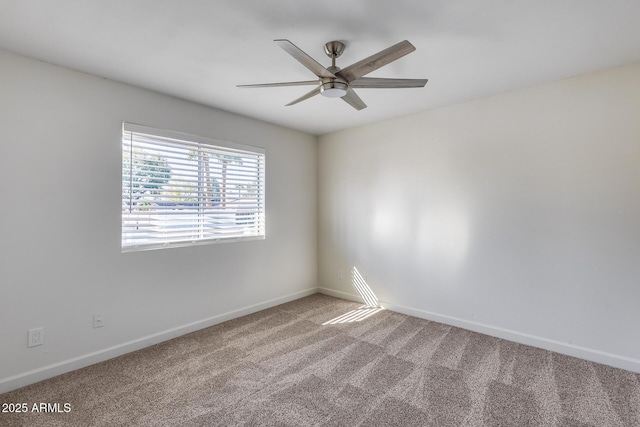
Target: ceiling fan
<point>334,82</point>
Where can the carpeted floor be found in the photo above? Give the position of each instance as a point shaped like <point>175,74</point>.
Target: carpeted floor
<point>306,363</point>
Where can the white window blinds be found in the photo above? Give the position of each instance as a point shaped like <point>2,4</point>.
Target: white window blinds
<point>180,189</point>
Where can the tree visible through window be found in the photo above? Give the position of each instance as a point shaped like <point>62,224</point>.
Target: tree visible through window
<point>180,189</point>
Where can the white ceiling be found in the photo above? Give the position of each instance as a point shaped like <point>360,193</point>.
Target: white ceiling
<point>201,49</point>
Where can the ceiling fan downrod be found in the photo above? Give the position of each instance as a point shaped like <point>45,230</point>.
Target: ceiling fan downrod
<point>333,87</point>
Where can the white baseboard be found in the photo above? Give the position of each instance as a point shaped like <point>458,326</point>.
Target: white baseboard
<point>592,355</point>
<point>30,377</point>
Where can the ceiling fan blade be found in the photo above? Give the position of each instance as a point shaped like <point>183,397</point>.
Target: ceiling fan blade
<point>376,61</point>
<point>303,83</point>
<point>308,95</point>
<point>354,100</point>
<point>303,58</point>
<point>374,82</point>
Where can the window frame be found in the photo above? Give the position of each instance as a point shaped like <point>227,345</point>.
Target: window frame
<point>184,140</point>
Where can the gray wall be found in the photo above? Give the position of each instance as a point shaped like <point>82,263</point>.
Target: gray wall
<point>60,187</point>
<point>516,215</point>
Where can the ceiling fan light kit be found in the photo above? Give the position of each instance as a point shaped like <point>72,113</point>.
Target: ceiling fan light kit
<point>334,82</point>
<point>333,88</point>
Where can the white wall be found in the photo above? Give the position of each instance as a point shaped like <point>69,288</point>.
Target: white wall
<point>60,186</point>
<point>516,215</point>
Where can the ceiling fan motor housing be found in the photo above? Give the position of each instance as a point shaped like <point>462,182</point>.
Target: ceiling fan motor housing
<point>333,88</point>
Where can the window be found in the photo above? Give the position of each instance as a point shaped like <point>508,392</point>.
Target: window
<point>180,189</point>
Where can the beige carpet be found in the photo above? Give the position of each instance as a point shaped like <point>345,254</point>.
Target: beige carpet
<point>305,364</point>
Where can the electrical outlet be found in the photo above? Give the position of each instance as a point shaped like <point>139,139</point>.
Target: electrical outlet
<point>340,276</point>
<point>98,320</point>
<point>36,337</point>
